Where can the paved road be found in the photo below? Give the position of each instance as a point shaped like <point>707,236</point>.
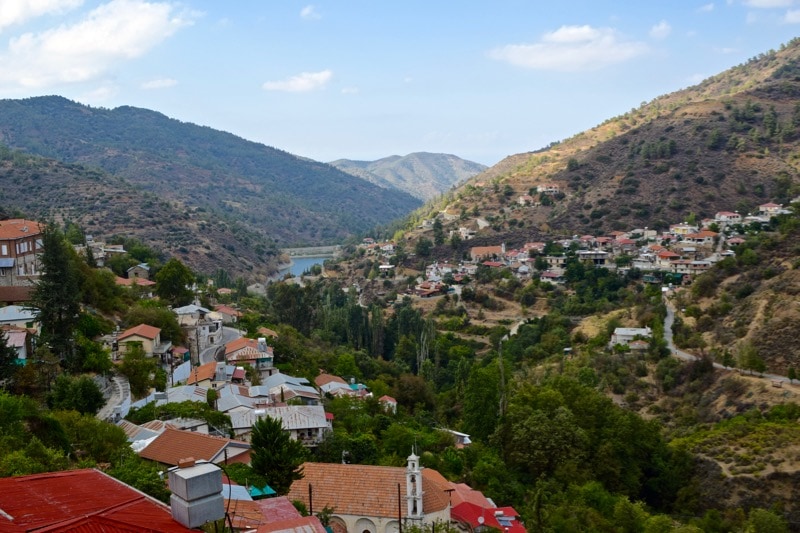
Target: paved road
<point>210,354</point>
<point>669,320</point>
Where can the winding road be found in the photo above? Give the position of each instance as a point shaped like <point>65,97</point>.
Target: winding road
<point>669,320</point>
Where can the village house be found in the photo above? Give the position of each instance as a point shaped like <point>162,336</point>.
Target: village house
<point>304,423</point>
<point>770,209</point>
<point>727,217</point>
<point>256,353</point>
<point>141,271</point>
<point>596,257</point>
<point>149,337</point>
<point>20,246</point>
<point>203,327</point>
<point>229,314</point>
<point>548,188</point>
<point>19,316</point>
<point>624,336</point>
<point>20,339</point>
<point>173,445</point>
<point>682,229</point>
<point>478,253</point>
<point>525,199</point>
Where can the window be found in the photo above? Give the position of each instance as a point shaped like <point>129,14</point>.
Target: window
<point>4,249</point>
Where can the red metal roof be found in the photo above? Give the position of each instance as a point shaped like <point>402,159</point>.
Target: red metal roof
<point>80,501</point>
<point>500,518</point>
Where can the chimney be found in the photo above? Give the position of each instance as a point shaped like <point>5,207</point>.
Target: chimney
<point>196,493</point>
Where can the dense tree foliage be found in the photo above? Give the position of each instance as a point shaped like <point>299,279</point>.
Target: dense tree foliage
<point>275,455</point>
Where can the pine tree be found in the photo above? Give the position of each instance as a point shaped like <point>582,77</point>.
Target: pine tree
<point>57,295</point>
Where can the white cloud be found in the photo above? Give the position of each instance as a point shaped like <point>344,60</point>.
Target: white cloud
<point>768,4</point>
<point>116,31</point>
<point>310,12</point>
<point>661,30</point>
<point>161,83</point>
<point>304,82</point>
<point>19,11</point>
<point>708,8</point>
<point>571,48</point>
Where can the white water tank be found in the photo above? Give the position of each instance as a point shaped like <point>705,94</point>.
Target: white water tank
<point>196,493</point>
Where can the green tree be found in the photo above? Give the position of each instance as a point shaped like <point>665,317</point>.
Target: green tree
<point>173,283</point>
<point>138,368</point>
<point>763,521</point>
<point>275,455</point>
<point>438,232</point>
<point>423,247</point>
<point>79,394</point>
<point>8,361</point>
<point>482,401</point>
<point>57,295</point>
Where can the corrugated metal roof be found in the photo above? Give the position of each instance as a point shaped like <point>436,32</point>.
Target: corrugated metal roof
<point>80,501</point>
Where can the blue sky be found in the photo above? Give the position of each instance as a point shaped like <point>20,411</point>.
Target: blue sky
<point>369,79</point>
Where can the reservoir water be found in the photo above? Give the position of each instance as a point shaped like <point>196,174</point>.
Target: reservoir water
<point>302,264</point>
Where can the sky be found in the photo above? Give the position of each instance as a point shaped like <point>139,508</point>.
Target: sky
<point>368,79</point>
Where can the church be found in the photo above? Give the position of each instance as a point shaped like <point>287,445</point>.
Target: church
<point>374,499</point>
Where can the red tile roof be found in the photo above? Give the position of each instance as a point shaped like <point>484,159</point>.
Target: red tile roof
<point>228,310</point>
<point>174,444</point>
<point>324,379</point>
<point>17,228</point>
<point>238,344</point>
<point>142,330</point>
<point>80,501</point>
<point>201,373</point>
<point>364,490</point>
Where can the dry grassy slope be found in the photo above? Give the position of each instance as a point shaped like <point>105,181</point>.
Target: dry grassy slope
<point>764,301</point>
<point>695,179</point>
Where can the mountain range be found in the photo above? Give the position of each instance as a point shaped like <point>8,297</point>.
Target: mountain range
<point>211,198</point>
<point>421,174</point>
<point>288,199</point>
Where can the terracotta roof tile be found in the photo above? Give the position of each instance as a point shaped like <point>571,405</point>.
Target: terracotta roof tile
<point>202,373</point>
<point>17,228</point>
<point>142,330</point>
<point>240,343</point>
<point>175,444</point>
<point>324,379</point>
<point>365,490</point>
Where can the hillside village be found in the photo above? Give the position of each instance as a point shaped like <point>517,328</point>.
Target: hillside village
<point>238,377</point>
<point>673,257</point>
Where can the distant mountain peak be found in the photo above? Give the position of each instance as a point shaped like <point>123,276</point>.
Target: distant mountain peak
<point>423,175</point>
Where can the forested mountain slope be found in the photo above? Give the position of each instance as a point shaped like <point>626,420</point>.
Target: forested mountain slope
<point>291,200</point>
<point>105,206</point>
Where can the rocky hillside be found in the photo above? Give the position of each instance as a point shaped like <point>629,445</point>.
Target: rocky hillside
<point>287,199</point>
<point>725,144</point>
<point>422,175</point>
